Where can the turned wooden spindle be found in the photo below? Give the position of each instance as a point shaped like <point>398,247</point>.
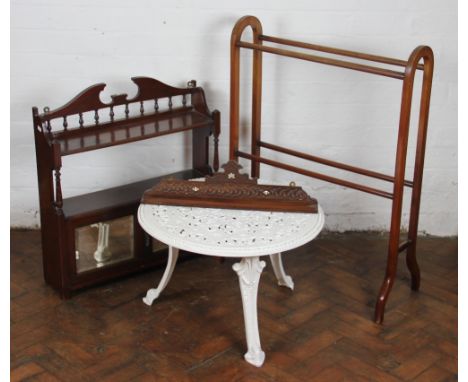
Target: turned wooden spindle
<point>58,189</point>
<point>80,120</point>
<point>142,109</point>
<point>65,123</point>
<point>96,117</point>
<point>216,115</point>
<point>156,105</point>
<point>111,113</point>
<point>48,126</point>
<point>170,103</point>
<point>184,100</point>
<point>127,111</point>
<point>216,155</point>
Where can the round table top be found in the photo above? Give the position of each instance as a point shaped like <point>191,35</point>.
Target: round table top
<point>229,233</point>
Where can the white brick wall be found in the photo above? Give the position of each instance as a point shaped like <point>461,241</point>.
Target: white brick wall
<point>60,47</point>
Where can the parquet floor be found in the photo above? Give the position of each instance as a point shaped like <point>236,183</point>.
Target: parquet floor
<point>320,332</point>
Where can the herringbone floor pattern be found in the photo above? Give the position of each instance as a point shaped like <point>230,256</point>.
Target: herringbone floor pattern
<point>320,332</point>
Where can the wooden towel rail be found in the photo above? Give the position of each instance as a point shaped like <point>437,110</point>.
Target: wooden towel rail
<point>420,53</point>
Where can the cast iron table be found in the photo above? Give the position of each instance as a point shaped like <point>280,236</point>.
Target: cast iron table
<point>231,233</point>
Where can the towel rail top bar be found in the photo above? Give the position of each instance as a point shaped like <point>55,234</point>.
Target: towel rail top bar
<point>324,60</point>
<point>421,58</point>
<point>337,51</point>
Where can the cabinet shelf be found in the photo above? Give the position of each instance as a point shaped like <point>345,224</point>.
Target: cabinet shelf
<point>124,196</point>
<point>84,139</point>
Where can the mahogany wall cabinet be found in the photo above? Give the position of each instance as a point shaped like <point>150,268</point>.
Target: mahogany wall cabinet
<point>95,237</point>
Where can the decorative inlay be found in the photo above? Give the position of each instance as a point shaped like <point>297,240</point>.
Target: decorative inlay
<point>233,190</point>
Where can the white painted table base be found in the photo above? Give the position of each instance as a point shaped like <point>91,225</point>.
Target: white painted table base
<point>231,233</point>
<point>249,270</point>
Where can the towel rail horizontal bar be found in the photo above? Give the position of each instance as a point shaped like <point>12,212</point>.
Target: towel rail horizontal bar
<point>337,51</point>
<point>327,162</point>
<point>404,245</point>
<point>317,175</point>
<point>324,60</point>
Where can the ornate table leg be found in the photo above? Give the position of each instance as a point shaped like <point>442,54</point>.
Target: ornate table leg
<point>153,294</point>
<point>281,276</point>
<point>249,271</point>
